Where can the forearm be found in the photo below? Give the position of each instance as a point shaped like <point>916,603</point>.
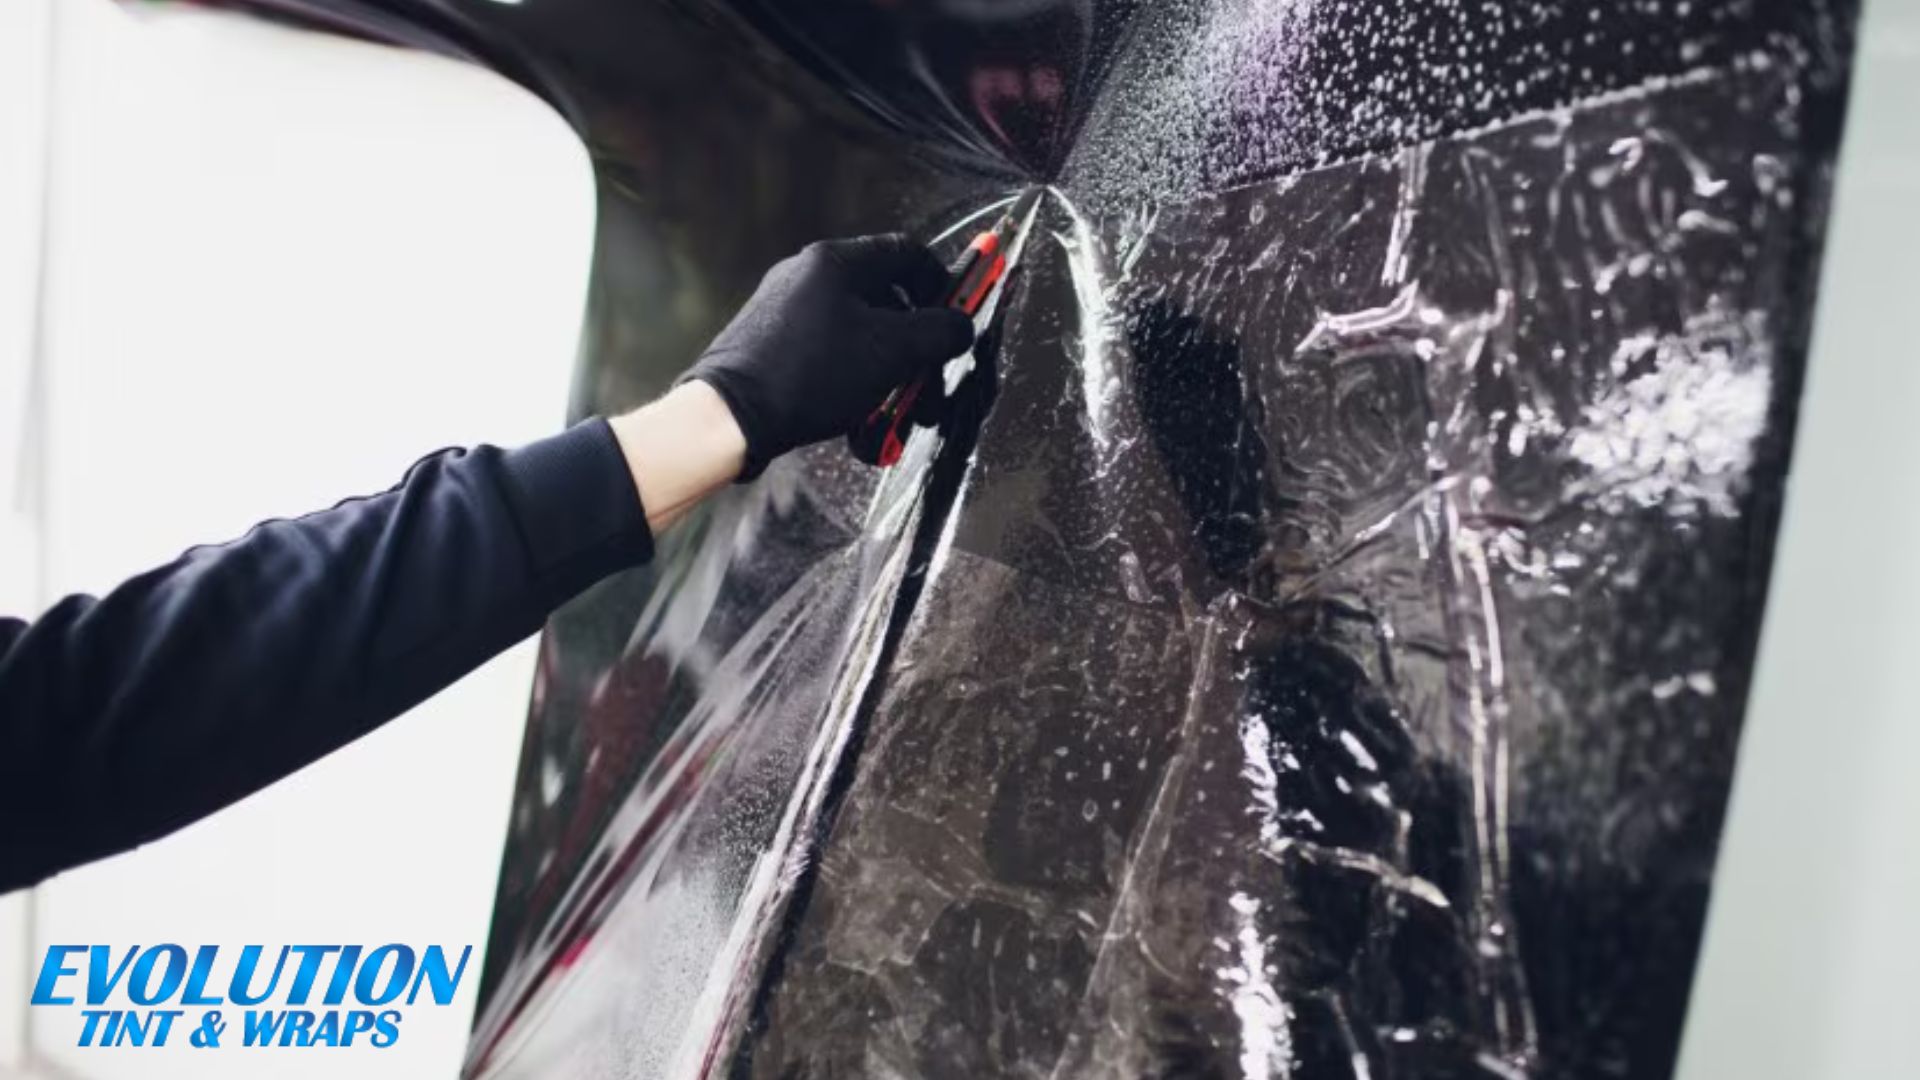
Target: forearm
<point>680,449</point>
<point>195,684</point>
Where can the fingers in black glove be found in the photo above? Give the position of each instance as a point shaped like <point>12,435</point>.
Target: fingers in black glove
<point>933,405</point>
<point>889,265</point>
<point>824,339</point>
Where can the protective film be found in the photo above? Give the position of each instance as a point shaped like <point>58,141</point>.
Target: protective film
<point>1318,642</point>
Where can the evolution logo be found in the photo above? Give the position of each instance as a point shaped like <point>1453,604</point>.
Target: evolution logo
<point>142,996</point>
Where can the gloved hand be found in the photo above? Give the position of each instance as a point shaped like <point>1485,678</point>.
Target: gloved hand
<point>825,338</point>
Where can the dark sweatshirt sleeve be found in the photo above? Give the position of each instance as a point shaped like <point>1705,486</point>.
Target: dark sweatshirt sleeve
<point>191,686</point>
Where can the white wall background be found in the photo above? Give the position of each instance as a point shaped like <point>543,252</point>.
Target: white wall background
<point>1811,967</point>
<point>24,72</point>
<point>280,267</point>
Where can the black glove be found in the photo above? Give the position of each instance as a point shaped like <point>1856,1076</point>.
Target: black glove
<point>826,337</point>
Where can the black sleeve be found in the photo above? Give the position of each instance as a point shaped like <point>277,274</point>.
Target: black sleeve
<point>191,686</point>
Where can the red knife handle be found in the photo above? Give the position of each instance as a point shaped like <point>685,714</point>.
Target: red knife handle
<point>882,437</point>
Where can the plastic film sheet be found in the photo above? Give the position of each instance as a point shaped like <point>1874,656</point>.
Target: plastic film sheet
<point>1326,657</point>
<point>1358,671</point>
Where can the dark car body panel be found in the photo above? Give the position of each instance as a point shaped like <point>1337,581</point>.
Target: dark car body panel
<point>1318,646</point>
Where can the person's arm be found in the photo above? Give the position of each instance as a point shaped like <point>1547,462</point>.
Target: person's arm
<point>191,686</point>
<point>187,688</point>
<point>680,449</point>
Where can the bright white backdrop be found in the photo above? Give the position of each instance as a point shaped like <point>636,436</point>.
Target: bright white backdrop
<point>1811,964</point>
<point>279,268</point>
